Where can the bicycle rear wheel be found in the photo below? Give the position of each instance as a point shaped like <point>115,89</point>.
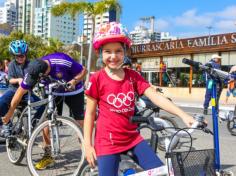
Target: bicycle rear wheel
<point>16,143</point>
<point>162,134</point>
<point>231,126</point>
<point>71,155</point>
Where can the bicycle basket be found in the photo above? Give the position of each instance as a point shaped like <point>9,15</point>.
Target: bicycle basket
<point>193,163</point>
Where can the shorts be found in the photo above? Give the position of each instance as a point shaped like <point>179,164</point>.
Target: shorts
<point>75,104</point>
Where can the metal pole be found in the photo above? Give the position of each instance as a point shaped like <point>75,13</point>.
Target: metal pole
<point>209,35</point>
<point>81,53</point>
<point>215,125</point>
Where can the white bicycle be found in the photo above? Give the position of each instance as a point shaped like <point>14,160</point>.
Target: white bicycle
<point>205,162</point>
<point>66,141</point>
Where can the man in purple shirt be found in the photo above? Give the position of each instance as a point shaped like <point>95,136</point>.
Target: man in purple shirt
<point>61,67</point>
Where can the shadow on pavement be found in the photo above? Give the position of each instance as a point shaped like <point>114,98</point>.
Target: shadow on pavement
<point>2,148</point>
<point>227,166</point>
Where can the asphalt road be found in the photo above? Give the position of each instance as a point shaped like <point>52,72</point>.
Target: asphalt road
<point>201,141</point>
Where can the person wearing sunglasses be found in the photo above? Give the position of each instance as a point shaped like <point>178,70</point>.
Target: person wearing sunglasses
<point>16,71</point>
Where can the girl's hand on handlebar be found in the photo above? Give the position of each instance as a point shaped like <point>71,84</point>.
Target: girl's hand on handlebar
<point>90,155</point>
<point>188,120</point>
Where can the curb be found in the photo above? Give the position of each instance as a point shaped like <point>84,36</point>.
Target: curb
<point>198,105</point>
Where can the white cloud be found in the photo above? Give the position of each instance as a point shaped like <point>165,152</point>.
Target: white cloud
<point>191,18</point>
<point>228,13</point>
<point>161,24</point>
<point>226,25</point>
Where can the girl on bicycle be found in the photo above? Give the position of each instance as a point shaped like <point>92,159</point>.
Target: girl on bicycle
<point>113,90</point>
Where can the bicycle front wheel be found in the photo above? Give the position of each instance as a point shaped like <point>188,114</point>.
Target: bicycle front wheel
<point>71,156</point>
<point>163,134</point>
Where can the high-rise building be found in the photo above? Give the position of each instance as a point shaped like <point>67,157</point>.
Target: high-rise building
<point>8,13</point>
<point>47,26</point>
<point>24,15</point>
<point>111,15</point>
<point>142,35</point>
<point>165,36</point>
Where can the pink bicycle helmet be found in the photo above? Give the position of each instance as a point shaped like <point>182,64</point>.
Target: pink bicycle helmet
<point>111,32</point>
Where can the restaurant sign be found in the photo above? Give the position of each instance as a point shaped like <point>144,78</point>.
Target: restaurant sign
<point>190,44</point>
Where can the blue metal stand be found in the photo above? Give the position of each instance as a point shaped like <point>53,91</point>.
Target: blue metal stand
<point>215,124</point>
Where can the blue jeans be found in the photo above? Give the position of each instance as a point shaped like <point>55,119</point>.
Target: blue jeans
<point>5,101</point>
<point>144,156</point>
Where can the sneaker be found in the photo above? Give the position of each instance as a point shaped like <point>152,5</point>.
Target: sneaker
<point>46,161</point>
<point>6,130</point>
<point>205,111</point>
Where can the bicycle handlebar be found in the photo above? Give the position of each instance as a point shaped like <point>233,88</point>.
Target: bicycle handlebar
<point>215,73</point>
<point>149,120</point>
<point>55,83</point>
<point>159,124</point>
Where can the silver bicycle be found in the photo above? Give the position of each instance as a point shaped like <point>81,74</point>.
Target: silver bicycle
<point>23,123</point>
<point>65,138</point>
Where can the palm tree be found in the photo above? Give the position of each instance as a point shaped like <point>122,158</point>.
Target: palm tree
<point>92,10</point>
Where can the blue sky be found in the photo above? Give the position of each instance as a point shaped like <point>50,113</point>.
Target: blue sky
<point>182,18</point>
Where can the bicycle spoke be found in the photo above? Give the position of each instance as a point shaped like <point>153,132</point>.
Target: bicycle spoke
<point>70,155</point>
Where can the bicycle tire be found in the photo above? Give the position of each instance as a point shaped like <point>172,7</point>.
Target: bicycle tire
<point>15,150</point>
<point>231,124</point>
<point>61,166</point>
<point>86,170</point>
<point>161,143</point>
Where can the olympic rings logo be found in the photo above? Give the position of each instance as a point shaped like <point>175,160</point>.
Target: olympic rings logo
<point>121,99</point>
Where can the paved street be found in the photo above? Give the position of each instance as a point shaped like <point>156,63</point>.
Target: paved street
<point>202,141</point>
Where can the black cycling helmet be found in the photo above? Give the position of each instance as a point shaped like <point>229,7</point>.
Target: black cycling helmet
<point>37,68</point>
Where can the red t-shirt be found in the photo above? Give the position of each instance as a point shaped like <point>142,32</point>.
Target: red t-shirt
<point>116,101</point>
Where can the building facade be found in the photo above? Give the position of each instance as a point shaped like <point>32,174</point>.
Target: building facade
<point>111,15</point>
<point>8,13</point>
<point>171,53</point>
<point>64,28</point>
<point>142,35</point>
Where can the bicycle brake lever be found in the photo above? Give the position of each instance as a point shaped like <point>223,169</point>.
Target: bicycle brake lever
<point>154,125</point>
<point>207,130</point>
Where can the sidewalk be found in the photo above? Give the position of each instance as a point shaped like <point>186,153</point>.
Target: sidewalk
<point>182,97</point>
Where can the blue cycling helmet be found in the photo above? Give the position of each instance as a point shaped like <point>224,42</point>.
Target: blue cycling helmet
<point>18,47</point>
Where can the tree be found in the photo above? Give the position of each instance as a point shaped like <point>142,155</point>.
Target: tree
<point>37,46</point>
<point>92,10</point>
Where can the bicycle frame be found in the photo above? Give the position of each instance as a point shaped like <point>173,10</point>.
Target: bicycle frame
<point>53,128</point>
<point>33,105</point>
<point>167,169</point>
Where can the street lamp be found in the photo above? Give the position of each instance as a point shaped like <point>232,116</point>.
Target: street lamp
<point>209,36</point>
<point>81,52</point>
<point>209,29</point>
